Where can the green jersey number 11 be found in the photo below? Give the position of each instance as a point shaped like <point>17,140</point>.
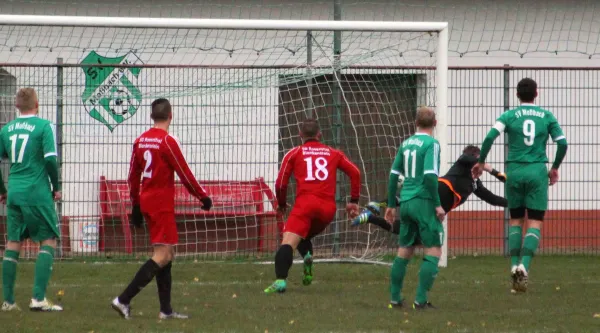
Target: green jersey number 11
<point>14,158</point>
<point>410,156</point>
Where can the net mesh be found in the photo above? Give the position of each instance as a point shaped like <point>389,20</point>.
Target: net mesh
<point>238,96</point>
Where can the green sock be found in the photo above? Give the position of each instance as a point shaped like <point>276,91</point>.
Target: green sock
<point>9,275</point>
<point>397,278</point>
<point>515,237</point>
<point>530,245</point>
<point>427,274</point>
<point>43,270</point>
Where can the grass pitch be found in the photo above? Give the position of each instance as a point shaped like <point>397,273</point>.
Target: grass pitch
<point>472,295</point>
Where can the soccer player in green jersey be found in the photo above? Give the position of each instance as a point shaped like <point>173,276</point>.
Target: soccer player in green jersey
<point>421,212</point>
<point>528,127</point>
<point>29,144</point>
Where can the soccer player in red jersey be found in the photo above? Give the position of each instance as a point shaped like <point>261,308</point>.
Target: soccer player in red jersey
<point>155,158</point>
<point>314,166</point>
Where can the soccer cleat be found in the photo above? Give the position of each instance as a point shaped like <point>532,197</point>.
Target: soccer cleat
<point>124,310</point>
<point>44,306</point>
<point>362,218</point>
<point>513,276</point>
<point>375,207</point>
<point>172,315</point>
<point>307,274</point>
<point>279,286</point>
<point>396,305</point>
<point>522,279</point>
<point>10,307</point>
<point>425,306</point>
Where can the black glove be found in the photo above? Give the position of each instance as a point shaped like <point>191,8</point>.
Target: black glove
<point>499,175</point>
<point>136,216</point>
<point>206,203</point>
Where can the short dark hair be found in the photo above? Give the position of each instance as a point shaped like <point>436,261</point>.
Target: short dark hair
<point>161,109</point>
<point>310,128</point>
<point>527,90</point>
<point>471,150</point>
<point>425,117</point>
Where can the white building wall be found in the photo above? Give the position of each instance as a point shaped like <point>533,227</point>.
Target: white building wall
<point>486,34</point>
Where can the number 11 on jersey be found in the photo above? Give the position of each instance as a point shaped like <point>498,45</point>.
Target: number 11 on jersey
<point>408,155</point>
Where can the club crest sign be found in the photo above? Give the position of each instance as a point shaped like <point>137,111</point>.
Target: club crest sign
<point>111,94</point>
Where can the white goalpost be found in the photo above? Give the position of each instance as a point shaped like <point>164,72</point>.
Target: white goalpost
<point>239,89</point>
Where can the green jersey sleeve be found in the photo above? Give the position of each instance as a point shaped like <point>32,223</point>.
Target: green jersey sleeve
<point>3,153</point>
<point>432,159</point>
<point>49,140</point>
<point>554,129</point>
<point>394,176</point>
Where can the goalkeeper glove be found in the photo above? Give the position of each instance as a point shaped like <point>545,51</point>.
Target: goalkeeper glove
<point>499,175</point>
<point>136,216</point>
<point>206,203</point>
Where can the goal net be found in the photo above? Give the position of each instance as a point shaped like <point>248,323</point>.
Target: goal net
<point>240,89</point>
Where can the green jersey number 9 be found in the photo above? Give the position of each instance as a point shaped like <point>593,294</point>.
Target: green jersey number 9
<point>529,131</point>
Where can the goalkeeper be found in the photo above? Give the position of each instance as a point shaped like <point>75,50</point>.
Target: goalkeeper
<point>454,189</point>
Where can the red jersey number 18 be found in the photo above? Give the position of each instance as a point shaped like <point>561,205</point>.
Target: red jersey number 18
<point>148,158</point>
<point>320,173</point>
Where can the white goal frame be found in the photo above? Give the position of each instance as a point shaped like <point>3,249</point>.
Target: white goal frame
<point>441,28</point>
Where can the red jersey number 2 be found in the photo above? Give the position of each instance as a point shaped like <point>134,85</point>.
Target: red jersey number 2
<point>147,171</point>
<point>316,170</point>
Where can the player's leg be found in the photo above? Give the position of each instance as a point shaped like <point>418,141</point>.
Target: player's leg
<point>515,195</point>
<point>42,224</point>
<point>305,249</point>
<point>536,202</point>
<point>407,236</point>
<point>15,231</point>
<point>431,233</point>
<point>285,256</point>
<point>161,257</point>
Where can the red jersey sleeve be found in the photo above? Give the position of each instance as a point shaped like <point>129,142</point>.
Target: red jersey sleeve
<point>175,158</point>
<point>353,172</point>
<point>283,178</point>
<point>135,174</point>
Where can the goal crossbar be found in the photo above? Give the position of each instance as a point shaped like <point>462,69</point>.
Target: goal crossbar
<point>235,24</point>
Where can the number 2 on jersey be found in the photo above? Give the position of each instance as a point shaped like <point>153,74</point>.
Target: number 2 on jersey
<point>410,155</point>
<point>13,147</point>
<point>529,131</point>
<point>148,158</point>
<point>321,173</point>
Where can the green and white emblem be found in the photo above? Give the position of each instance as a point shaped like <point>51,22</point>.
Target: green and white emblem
<point>111,94</point>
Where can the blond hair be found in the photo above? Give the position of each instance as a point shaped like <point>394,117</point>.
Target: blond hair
<point>26,99</point>
<point>425,117</point>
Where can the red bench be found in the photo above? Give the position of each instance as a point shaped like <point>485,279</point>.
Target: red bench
<point>231,199</point>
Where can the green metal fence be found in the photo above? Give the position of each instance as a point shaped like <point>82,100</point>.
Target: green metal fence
<point>240,133</point>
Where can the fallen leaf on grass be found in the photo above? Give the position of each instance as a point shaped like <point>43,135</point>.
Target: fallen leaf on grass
<point>291,322</point>
<point>557,288</point>
<point>406,321</point>
<point>234,296</point>
<point>196,279</point>
<point>60,293</point>
<point>596,315</point>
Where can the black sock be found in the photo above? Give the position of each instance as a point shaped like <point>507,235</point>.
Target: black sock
<point>283,261</point>
<point>396,227</point>
<point>304,247</point>
<point>380,222</point>
<point>164,282</point>
<point>141,279</point>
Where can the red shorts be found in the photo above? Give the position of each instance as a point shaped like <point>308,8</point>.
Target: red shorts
<point>162,227</point>
<point>310,216</point>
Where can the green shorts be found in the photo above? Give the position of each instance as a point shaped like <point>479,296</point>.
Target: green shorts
<point>527,185</point>
<point>419,224</point>
<point>38,223</point>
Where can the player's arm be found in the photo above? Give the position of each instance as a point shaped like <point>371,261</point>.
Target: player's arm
<point>395,174</point>
<point>283,177</point>
<point>50,156</point>
<point>431,171</point>
<point>2,155</point>
<point>486,195</point>
<point>558,136</point>
<point>177,161</point>
<point>352,171</point>
<point>134,178</point>
<point>494,133</point>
